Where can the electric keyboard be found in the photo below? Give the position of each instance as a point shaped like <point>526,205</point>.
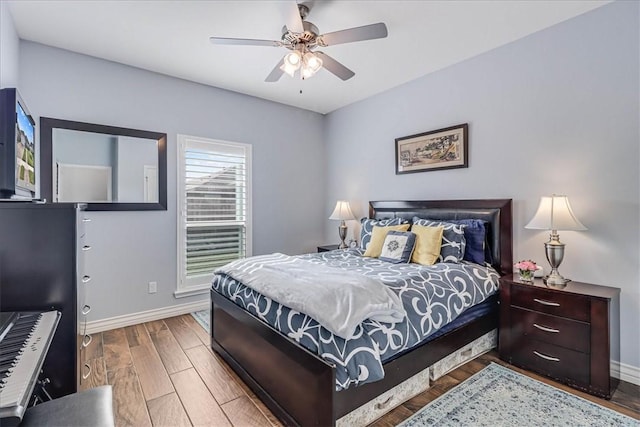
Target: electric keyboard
<point>24,341</point>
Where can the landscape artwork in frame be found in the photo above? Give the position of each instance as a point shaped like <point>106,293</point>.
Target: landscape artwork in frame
<point>435,150</point>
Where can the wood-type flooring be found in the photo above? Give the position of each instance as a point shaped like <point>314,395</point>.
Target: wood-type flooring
<point>164,373</point>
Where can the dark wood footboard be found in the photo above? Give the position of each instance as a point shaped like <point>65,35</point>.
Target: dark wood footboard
<point>294,383</point>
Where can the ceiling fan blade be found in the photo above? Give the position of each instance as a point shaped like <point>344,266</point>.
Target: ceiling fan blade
<point>244,42</point>
<point>276,73</point>
<point>335,67</point>
<point>294,22</point>
<point>366,32</point>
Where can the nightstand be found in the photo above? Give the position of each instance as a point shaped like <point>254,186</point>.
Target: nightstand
<point>567,334</point>
<point>327,248</point>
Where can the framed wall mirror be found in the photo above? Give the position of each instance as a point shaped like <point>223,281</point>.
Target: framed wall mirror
<point>109,168</point>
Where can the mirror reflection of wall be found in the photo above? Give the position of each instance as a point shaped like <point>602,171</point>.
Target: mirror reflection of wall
<point>94,167</point>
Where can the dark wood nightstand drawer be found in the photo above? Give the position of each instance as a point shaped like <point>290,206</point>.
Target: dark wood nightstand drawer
<point>552,360</point>
<point>560,331</point>
<point>556,303</point>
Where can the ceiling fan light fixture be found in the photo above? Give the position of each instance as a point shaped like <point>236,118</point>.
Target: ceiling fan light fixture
<point>312,61</point>
<point>293,59</point>
<point>306,72</point>
<point>289,69</point>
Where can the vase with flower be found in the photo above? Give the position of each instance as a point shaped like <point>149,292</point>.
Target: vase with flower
<point>526,269</point>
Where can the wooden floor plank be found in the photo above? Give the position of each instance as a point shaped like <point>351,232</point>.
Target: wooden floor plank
<point>204,336</point>
<point>128,401</point>
<point>116,350</point>
<point>137,335</point>
<point>218,381</point>
<point>98,374</point>
<point>153,377</point>
<point>183,333</point>
<point>200,405</point>
<point>167,411</point>
<point>170,352</point>
<point>94,349</point>
<point>256,401</point>
<point>627,395</point>
<point>242,412</point>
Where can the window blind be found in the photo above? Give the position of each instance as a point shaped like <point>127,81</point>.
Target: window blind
<point>215,206</point>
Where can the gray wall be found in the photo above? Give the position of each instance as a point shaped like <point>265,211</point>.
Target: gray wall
<point>555,112</point>
<point>9,48</point>
<point>132,248</point>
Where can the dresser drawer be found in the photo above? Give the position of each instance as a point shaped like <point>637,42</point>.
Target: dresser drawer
<point>560,331</point>
<point>562,304</point>
<point>552,360</point>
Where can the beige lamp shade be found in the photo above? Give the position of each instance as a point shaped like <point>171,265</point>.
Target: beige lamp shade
<point>554,213</point>
<point>342,211</point>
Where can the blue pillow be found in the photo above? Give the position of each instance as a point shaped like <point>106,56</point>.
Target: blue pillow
<point>453,241</point>
<point>367,228</point>
<point>398,247</point>
<point>475,234</point>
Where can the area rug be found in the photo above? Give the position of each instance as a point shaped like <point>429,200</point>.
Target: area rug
<point>498,396</point>
<point>202,317</point>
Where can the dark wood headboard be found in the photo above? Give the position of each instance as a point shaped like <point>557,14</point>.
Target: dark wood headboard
<point>495,212</point>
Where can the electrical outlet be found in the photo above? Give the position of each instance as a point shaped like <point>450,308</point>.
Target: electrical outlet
<point>153,287</point>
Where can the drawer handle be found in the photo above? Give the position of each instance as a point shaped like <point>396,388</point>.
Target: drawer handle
<point>544,328</point>
<point>86,279</point>
<point>543,302</point>
<point>545,357</point>
<point>86,340</point>
<point>382,405</point>
<point>86,309</point>
<point>86,247</point>
<point>88,368</point>
<point>86,219</point>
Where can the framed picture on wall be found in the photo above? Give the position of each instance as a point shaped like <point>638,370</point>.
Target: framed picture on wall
<point>435,150</point>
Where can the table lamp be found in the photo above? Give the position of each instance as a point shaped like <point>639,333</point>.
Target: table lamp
<point>554,213</point>
<point>343,213</point>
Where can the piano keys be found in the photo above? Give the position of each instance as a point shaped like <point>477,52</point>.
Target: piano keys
<point>24,341</point>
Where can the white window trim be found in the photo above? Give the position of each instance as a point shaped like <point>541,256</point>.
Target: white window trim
<point>181,289</point>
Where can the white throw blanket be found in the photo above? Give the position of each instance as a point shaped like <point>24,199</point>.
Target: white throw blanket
<point>337,299</point>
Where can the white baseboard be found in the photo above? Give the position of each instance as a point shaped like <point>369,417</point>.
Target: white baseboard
<point>628,373</point>
<point>145,316</point>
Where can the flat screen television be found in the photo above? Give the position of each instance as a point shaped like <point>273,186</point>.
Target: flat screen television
<point>17,147</point>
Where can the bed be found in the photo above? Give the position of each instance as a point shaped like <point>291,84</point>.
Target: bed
<point>300,387</point>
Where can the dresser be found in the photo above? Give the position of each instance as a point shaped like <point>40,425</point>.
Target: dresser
<point>83,282</point>
<point>567,334</point>
<point>42,247</point>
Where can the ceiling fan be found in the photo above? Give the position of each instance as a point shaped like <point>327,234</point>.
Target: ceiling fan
<point>302,38</point>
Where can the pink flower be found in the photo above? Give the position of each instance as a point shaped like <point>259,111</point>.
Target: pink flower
<point>527,265</point>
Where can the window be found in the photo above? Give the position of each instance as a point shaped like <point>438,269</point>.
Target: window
<point>214,209</point>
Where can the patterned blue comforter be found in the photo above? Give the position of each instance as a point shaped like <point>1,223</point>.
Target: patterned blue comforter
<point>431,295</point>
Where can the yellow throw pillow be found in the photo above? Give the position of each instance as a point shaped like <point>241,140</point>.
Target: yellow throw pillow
<point>377,238</point>
<point>428,243</point>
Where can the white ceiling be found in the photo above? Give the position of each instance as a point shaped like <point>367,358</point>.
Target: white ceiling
<point>172,37</point>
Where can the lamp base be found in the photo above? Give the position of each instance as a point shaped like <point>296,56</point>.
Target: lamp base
<point>555,281</point>
<point>342,232</point>
<point>554,250</point>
